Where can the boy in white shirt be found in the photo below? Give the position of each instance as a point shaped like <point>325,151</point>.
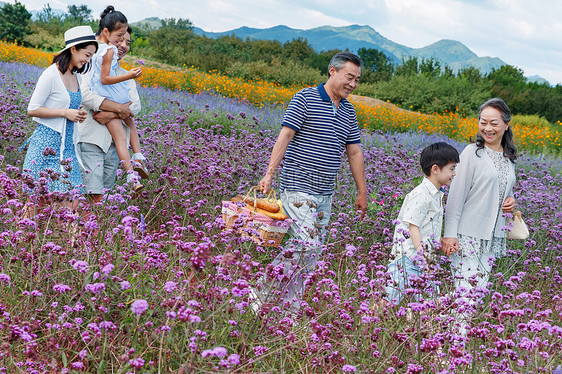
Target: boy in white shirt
<point>421,219</point>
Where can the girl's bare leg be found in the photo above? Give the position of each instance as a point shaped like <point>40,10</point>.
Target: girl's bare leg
<point>135,140</point>
<point>115,127</point>
<point>138,157</point>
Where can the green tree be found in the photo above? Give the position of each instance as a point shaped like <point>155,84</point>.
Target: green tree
<point>79,13</point>
<point>14,22</point>
<point>377,63</point>
<point>47,15</point>
<point>409,67</point>
<point>430,68</point>
<point>447,72</point>
<point>509,83</point>
<point>320,61</point>
<point>264,50</point>
<point>297,49</point>
<point>507,75</point>
<point>470,74</point>
<point>179,24</point>
<point>170,42</point>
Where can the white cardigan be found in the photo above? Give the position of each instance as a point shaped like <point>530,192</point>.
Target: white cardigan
<point>473,200</point>
<point>50,92</point>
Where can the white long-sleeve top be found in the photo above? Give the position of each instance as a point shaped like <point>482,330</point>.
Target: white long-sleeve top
<point>50,92</point>
<point>473,200</point>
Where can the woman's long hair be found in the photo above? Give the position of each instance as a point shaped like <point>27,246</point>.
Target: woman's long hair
<point>508,145</point>
<point>63,59</point>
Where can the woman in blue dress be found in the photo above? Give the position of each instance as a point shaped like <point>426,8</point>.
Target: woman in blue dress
<point>51,158</point>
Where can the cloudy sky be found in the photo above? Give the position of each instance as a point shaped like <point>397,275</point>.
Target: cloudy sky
<point>523,33</point>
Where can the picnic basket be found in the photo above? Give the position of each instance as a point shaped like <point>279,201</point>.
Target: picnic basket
<point>262,229</point>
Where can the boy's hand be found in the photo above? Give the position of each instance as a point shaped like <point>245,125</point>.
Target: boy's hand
<point>449,245</point>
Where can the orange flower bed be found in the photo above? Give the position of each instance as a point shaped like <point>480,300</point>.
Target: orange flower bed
<point>453,125</point>
<point>14,53</point>
<point>195,81</point>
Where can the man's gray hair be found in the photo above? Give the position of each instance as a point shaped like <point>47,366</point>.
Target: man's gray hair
<point>340,59</point>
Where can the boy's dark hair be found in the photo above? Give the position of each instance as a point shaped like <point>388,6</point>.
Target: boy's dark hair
<point>63,59</point>
<point>439,154</point>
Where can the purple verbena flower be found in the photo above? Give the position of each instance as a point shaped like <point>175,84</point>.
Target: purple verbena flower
<point>139,306</point>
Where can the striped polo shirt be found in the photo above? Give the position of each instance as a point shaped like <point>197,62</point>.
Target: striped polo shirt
<point>313,157</point>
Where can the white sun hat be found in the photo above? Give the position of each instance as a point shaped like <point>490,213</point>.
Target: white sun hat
<point>78,35</point>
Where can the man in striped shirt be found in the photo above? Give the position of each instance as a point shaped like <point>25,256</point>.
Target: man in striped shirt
<point>319,124</point>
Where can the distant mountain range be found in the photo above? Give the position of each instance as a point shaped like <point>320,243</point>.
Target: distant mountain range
<point>449,52</point>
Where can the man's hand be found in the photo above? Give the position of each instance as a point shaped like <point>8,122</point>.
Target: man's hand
<point>124,111</point>
<point>265,183</point>
<point>361,204</point>
<point>104,117</point>
<point>279,149</point>
<point>356,163</point>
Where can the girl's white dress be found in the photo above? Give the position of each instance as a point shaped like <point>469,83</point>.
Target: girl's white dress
<point>118,92</point>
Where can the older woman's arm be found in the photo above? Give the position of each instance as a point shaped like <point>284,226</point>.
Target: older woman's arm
<point>456,198</point>
<point>508,205</point>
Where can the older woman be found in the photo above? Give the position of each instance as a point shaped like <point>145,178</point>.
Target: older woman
<point>479,196</point>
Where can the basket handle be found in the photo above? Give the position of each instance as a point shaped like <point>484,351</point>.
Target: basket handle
<point>253,190</point>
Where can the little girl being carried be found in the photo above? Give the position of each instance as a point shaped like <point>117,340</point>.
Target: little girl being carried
<point>105,82</point>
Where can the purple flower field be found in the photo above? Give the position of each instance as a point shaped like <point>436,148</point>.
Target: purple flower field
<point>157,285</point>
